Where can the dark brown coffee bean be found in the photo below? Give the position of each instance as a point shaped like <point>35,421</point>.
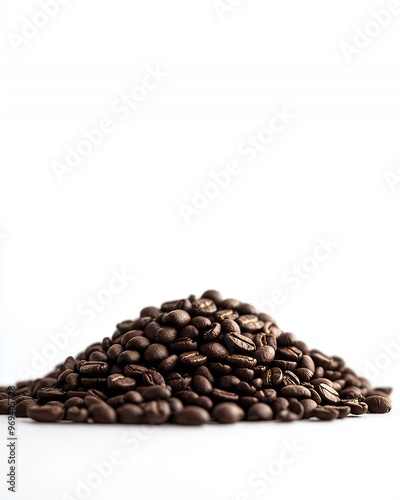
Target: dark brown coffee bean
<point>214,351</point>
<point>259,411</point>
<point>93,369</point>
<point>133,397</point>
<point>116,401</point>
<point>155,353</point>
<point>205,372</point>
<point>315,396</point>
<point>287,416</point>
<point>138,343</point>
<point>212,332</point>
<point>343,411</point>
<point>153,377</point>
<point>151,330</point>
<point>227,413</point>
<point>236,342</point>
<point>356,407</point>
<point>295,391</point>
<point>201,385</point>
<point>378,404</point>
<point>175,405</point>
<point>241,361</point>
<point>266,395</point>
<point>221,395</point>
<point>177,382</point>
<point>351,393</point>
<point>189,331</point>
<point>79,402</point>
<point>50,394</point>
<point>250,323</point>
<point>156,392</point>
<point>193,358</point>
<point>309,405</point>
<point>177,318</point>
<point>102,413</point>
<point>224,314</point>
<point>201,322</point>
<point>192,415</point>
<point>156,412</point>
<point>320,359</point>
<point>280,404</point>
<point>284,364</point>
<point>321,380</point>
<point>135,371</point>
<point>307,362</point>
<point>114,351</point>
<point>129,357</point>
<point>168,364</point>
<point>130,414</point>
<point>98,356</point>
<point>120,383</point>
<point>45,413</point>
<point>289,353</point>
<point>286,338</point>
<point>247,402</point>
<point>184,344</point>
<point>213,295</point>
<point>76,414</point>
<point>230,326</point>
<point>219,369</point>
<point>303,374</point>
<point>21,408</point>
<point>325,413</point>
<point>204,307</point>
<point>187,397</point>
<point>327,393</point>
<point>245,374</point>
<point>204,402</point>
<point>264,355</point>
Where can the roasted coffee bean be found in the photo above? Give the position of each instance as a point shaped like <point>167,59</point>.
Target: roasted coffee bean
<point>295,406</point>
<point>45,413</point>
<point>356,407</point>
<point>204,402</point>
<point>130,414</point>
<point>230,326</point>
<point>214,351</point>
<point>213,295</point>
<point>179,383</point>
<point>287,416</point>
<point>79,402</point>
<point>250,323</point>
<point>61,379</point>
<point>133,397</point>
<point>241,361</point>
<point>315,396</point>
<point>260,411</point>
<point>212,332</point>
<point>168,364</point>
<point>187,397</point>
<point>280,404</point>
<point>201,385</point>
<point>204,307</point>
<point>175,405</point>
<point>156,392</point>
<point>378,404</point>
<point>116,401</point>
<point>327,393</point>
<point>205,372</point>
<point>93,368</point>
<point>21,408</point>
<point>289,353</point>
<point>266,395</point>
<point>98,356</point>
<point>152,377</point>
<point>50,394</point>
<point>224,314</point>
<point>151,329</point>
<point>189,331</point>
<point>351,393</point>
<point>257,383</point>
<point>326,413</point>
<point>306,361</point>
<point>72,382</point>
<point>286,338</point>
<point>192,415</point>
<point>221,395</point>
<point>321,380</point>
<point>320,359</point>
<point>309,405</point>
<point>295,391</point>
<point>264,355</point>
<point>342,410</point>
<point>303,374</point>
<point>129,357</point>
<point>247,402</point>
<point>155,353</point>
<point>102,413</point>
<point>120,383</point>
<point>289,378</point>
<point>79,415</point>
<point>246,374</point>
<point>184,344</point>
<point>284,364</point>
<point>114,351</point>
<point>156,412</point>
<point>138,343</point>
<point>201,322</point>
<point>237,342</point>
<point>149,311</point>
<point>134,371</point>
<point>177,318</point>
<point>227,413</point>
<point>91,383</point>
<point>193,358</point>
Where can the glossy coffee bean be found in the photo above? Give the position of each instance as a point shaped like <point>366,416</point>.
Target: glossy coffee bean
<point>192,415</point>
<point>227,413</point>
<point>260,411</point>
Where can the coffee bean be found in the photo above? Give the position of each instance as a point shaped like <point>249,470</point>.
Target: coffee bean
<point>204,307</point>
<point>156,392</point>
<point>168,364</point>
<point>201,385</point>
<point>230,326</point>
<point>102,413</point>
<point>357,407</point>
<point>264,355</point>
<point>286,339</point>
<point>93,368</point>
<point>378,404</point>
<point>227,382</point>
<point>21,409</point>
<point>50,394</point>
<point>226,314</point>
<point>138,343</point>
<point>227,413</point>
<point>120,383</point>
<point>246,374</point>
<point>156,412</point>
<point>327,393</point>
<point>155,353</point>
<point>237,342</point>
<point>325,413</point>
<point>309,405</point>
<point>259,411</point>
<point>189,331</point>
<point>205,372</point>
<point>128,357</point>
<point>250,323</point>
<point>204,402</point>
<point>184,344</point>
<point>295,391</point>
<point>201,322</point>
<point>212,332</point>
<point>241,361</point>
<point>193,358</point>
<point>214,351</point>
<point>192,415</point>
<point>177,318</point>
<point>219,369</point>
<point>45,413</point>
<point>221,395</point>
<point>289,353</point>
<point>76,414</point>
<point>266,395</point>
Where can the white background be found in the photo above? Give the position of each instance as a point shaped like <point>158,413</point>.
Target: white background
<point>325,176</point>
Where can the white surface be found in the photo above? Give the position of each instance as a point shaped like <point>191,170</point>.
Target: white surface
<point>323,176</point>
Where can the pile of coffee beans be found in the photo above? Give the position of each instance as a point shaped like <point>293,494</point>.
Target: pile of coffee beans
<point>197,360</point>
